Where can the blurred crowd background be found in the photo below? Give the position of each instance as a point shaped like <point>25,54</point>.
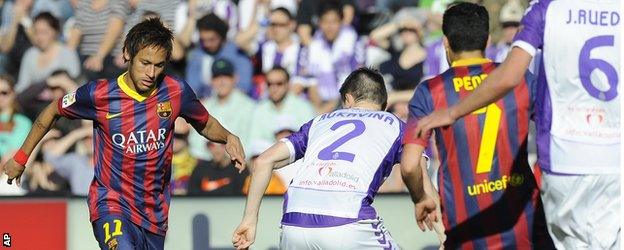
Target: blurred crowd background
<point>262,67</point>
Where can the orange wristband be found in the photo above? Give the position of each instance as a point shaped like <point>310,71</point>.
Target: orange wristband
<point>20,157</point>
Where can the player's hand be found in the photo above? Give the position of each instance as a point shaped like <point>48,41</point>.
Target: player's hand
<point>439,118</point>
<point>14,171</point>
<point>244,235</point>
<point>94,63</point>
<point>426,213</point>
<point>234,148</point>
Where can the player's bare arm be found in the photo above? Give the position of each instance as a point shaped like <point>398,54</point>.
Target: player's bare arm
<point>502,80</point>
<point>275,157</point>
<point>411,171</point>
<point>430,191</point>
<point>214,131</point>
<point>40,127</point>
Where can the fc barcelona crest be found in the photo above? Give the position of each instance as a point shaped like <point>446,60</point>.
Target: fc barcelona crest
<point>163,109</point>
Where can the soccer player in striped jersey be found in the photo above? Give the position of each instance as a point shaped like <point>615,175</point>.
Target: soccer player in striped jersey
<point>488,194</point>
<point>347,154</point>
<point>133,129</point>
<point>577,114</point>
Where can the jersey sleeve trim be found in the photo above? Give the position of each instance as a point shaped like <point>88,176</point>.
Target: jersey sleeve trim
<point>525,46</point>
<point>291,149</point>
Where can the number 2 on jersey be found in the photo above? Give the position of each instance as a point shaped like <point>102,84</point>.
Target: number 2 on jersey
<point>328,153</point>
<point>488,138</point>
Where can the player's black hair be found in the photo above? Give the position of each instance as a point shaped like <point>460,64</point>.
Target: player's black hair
<point>466,26</point>
<point>214,23</point>
<point>284,11</point>
<point>283,70</point>
<point>365,84</point>
<point>49,19</point>
<point>329,6</point>
<point>148,33</point>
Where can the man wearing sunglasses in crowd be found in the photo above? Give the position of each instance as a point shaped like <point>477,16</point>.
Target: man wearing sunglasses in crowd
<point>280,103</point>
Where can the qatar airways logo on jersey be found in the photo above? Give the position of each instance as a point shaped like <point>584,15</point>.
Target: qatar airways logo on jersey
<point>140,141</point>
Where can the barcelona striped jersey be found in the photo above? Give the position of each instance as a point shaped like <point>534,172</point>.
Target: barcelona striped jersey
<point>133,145</point>
<point>489,197</point>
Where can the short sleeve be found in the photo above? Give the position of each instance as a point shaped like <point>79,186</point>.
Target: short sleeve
<point>530,38</point>
<point>420,106</point>
<point>79,104</point>
<point>191,109</point>
<point>298,142</point>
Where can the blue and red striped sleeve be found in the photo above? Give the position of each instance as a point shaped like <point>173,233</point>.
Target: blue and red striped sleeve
<point>420,106</point>
<point>78,104</point>
<point>192,109</point>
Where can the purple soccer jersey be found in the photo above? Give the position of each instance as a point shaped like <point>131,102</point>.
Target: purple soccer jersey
<point>347,154</point>
<point>578,106</point>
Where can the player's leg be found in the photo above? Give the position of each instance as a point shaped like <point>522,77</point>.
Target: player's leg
<point>586,218</point>
<point>153,241</point>
<point>113,232</point>
<point>606,222</point>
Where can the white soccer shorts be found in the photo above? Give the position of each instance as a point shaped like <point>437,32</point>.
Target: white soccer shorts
<point>360,235</point>
<point>582,211</point>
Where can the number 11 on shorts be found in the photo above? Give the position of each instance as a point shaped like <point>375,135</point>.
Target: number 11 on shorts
<point>117,231</point>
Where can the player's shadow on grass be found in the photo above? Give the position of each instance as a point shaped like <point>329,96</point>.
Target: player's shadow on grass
<point>505,213</point>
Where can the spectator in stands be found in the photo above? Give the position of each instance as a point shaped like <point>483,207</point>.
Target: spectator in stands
<point>15,34</point>
<point>189,11</point>
<point>98,26</point>
<point>404,69</point>
<point>257,12</point>
<point>229,105</point>
<point>35,98</point>
<point>280,103</point>
<point>47,55</point>
<point>214,45</point>
<point>218,176</point>
<point>332,56</point>
<point>60,9</point>
<point>75,166</point>
<point>187,14</point>
<point>510,16</point>
<point>39,177</point>
<point>182,163</point>
<point>281,47</point>
<point>14,126</point>
<point>309,10</point>
<point>435,63</point>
